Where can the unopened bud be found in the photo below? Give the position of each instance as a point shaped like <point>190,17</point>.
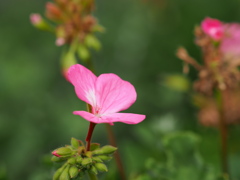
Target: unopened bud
<point>79,160</point>
<point>92,42</point>
<point>105,157</point>
<point>53,12</point>
<point>63,151</point>
<point>94,146</point>
<point>83,53</point>
<point>97,159</point>
<point>56,158</point>
<point>73,171</point>
<point>35,19</point>
<point>65,175</point>
<point>71,161</point>
<point>74,143</point>
<point>58,173</point>
<point>93,170</point>
<point>86,161</point>
<point>40,23</point>
<point>101,167</point>
<point>105,150</point>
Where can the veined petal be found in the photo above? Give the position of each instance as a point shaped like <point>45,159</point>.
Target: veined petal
<point>83,81</point>
<point>127,118</point>
<point>114,94</point>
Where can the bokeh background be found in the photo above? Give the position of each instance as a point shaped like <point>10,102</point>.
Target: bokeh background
<point>139,45</point>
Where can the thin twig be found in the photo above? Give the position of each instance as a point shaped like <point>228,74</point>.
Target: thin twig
<point>183,55</point>
<point>223,135</point>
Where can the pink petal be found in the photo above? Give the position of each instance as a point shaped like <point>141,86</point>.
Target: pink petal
<point>230,45</point>
<point>114,94</point>
<point>213,28</point>
<point>127,118</point>
<point>84,82</point>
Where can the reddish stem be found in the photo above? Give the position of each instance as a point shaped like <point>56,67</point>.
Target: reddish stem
<point>89,135</point>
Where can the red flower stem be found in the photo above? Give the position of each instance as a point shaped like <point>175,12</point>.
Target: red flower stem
<point>117,157</point>
<point>89,135</point>
<point>223,135</point>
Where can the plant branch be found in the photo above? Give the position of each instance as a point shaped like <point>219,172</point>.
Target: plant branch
<point>223,135</point>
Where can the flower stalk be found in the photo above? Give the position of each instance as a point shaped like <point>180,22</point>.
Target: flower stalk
<point>89,135</point>
<point>223,135</point>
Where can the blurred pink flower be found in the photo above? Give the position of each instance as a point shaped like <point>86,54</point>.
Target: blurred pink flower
<point>35,19</point>
<point>230,45</point>
<point>213,28</point>
<point>107,94</point>
<point>60,41</point>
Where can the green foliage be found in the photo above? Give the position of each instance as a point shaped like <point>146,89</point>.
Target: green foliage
<point>182,160</point>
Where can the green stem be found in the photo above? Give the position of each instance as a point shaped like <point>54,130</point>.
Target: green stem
<point>92,176</point>
<point>223,135</point>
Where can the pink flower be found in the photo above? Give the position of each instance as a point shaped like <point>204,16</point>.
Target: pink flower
<point>107,94</point>
<point>35,19</point>
<point>60,41</point>
<point>230,45</point>
<point>213,28</point>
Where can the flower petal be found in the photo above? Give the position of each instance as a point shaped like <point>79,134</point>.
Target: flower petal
<point>127,118</point>
<point>114,94</point>
<point>84,82</point>
<point>213,27</point>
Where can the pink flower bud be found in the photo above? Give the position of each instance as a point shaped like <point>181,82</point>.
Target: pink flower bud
<point>60,41</point>
<point>55,154</point>
<point>213,28</point>
<point>35,19</point>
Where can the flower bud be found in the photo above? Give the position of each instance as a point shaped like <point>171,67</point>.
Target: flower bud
<point>79,160</point>
<point>63,151</point>
<point>83,52</point>
<point>92,42</point>
<point>40,23</point>
<point>58,172</point>
<point>94,146</point>
<point>105,150</point>
<point>73,171</point>
<point>74,143</point>
<point>86,161</point>
<point>53,12</point>
<point>56,159</point>
<point>101,167</point>
<point>105,157</point>
<point>97,159</point>
<point>71,160</point>
<point>65,175</point>
<point>93,170</point>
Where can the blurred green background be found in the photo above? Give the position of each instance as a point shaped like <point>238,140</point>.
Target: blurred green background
<point>139,45</point>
